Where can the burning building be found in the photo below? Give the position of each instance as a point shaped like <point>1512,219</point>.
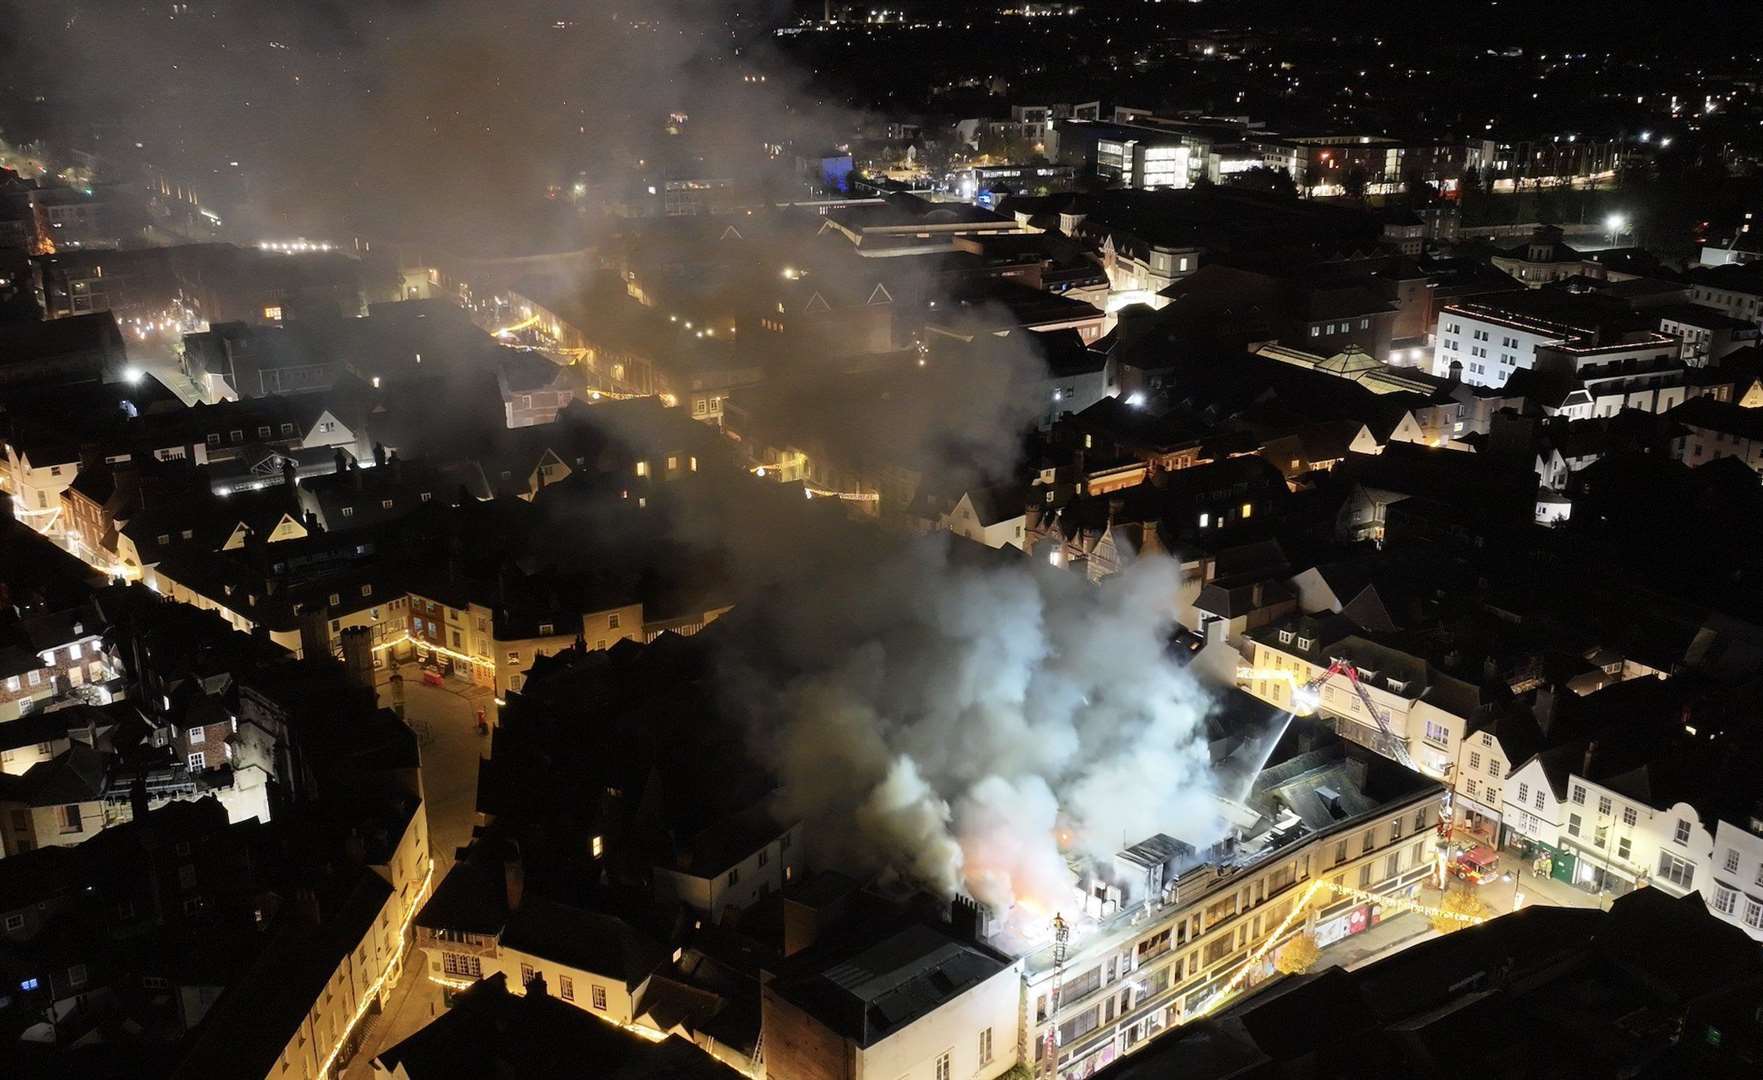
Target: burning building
<point>1326,838</point>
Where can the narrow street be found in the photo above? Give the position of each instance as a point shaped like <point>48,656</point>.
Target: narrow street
<point>445,719</point>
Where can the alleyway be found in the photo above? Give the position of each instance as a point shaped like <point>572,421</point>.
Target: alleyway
<point>445,718</point>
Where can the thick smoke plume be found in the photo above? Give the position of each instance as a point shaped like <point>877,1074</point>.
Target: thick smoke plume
<point>966,721</point>
<point>450,122</point>
<point>979,721</point>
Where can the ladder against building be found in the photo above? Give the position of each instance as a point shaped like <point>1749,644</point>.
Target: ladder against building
<point>1050,1050</point>
<point>1307,698</point>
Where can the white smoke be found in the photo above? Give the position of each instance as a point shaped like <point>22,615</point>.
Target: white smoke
<point>979,723</point>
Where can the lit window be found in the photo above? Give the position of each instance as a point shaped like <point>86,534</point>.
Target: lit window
<point>599,846</point>
<point>642,468</point>
<point>1248,510</point>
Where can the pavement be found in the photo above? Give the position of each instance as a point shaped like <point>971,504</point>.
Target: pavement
<point>445,717</point>
<point>158,361</point>
<point>1408,928</point>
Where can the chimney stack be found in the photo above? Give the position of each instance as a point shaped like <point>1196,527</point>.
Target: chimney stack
<point>1544,708</point>
<point>306,906</point>
<point>358,655</point>
<point>514,881</point>
<point>138,798</point>
<point>970,919</point>
<point>1591,751</point>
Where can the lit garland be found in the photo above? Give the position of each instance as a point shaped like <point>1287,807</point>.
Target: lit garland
<point>373,991</point>
<point>1230,988</point>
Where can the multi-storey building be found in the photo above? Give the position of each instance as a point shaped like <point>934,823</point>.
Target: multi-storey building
<point>1426,711</point>
<point>1734,891</point>
<point>1328,841</point>
<point>1613,814</point>
<point>1735,289</point>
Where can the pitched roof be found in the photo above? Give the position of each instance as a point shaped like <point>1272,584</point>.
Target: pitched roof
<point>490,1031</point>
<point>588,940</point>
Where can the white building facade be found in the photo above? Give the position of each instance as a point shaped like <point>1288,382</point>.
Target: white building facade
<point>1489,344</point>
<point>1734,889</point>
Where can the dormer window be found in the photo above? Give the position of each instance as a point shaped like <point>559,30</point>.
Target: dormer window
<point>1305,643</point>
<point>1285,637</point>
<point>546,629</point>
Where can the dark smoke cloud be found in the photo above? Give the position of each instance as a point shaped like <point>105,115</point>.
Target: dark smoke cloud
<point>965,723</point>
<point>412,119</point>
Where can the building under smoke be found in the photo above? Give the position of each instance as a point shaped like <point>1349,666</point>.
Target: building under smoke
<point>1322,838</point>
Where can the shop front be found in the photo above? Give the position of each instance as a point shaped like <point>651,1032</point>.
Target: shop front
<point>1355,920</point>
<point>1544,859</point>
<point>1593,872</point>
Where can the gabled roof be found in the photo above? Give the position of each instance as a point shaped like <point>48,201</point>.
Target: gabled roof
<point>996,504</point>
<point>490,1032</point>
<point>586,940</point>
<point>75,775</point>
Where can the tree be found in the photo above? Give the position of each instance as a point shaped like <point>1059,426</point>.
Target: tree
<point>1458,909</point>
<point>1354,182</point>
<point>1420,191</point>
<point>1266,178</point>
<point>1298,955</point>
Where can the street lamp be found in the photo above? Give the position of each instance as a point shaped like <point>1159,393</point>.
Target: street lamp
<point>1615,224</point>
<point>1517,897</point>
